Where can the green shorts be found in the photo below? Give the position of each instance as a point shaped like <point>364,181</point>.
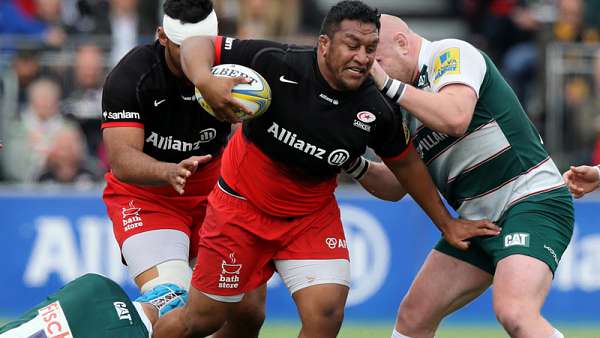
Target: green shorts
<point>540,226</point>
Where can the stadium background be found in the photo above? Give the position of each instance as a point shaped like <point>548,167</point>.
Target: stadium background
<point>55,54</point>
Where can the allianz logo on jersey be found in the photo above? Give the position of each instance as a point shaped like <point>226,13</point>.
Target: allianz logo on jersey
<point>336,158</point>
<point>170,143</point>
<point>109,115</point>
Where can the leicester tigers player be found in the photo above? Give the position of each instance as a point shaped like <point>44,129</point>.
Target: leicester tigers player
<point>488,161</point>
<point>274,207</point>
<point>164,152</point>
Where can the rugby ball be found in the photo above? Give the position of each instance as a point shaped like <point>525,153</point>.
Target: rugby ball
<point>254,95</point>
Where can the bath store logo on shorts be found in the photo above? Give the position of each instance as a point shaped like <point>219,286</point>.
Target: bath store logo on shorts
<point>229,277</point>
<point>131,217</point>
<point>369,249</point>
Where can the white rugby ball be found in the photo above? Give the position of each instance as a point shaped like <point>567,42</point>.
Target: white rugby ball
<point>254,95</point>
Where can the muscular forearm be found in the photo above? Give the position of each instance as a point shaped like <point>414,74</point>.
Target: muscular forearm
<point>442,111</point>
<point>381,182</point>
<point>413,175</point>
<point>133,166</point>
<point>197,58</point>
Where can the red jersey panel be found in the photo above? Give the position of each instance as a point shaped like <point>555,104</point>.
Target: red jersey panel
<point>267,185</point>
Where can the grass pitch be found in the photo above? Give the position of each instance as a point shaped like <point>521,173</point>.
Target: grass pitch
<point>358,330</point>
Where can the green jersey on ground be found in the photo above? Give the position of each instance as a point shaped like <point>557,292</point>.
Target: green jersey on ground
<point>90,306</point>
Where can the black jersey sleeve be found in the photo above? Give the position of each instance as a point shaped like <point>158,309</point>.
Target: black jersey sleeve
<point>393,135</point>
<point>120,104</point>
<point>243,52</point>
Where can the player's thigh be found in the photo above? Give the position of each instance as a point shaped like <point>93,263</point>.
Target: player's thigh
<point>540,229</point>
<point>231,259</point>
<point>442,285</point>
<point>521,282</point>
<point>146,250</point>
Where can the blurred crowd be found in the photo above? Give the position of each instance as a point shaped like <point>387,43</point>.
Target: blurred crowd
<point>55,55</point>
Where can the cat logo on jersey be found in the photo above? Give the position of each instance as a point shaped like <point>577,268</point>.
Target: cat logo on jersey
<point>448,62</point>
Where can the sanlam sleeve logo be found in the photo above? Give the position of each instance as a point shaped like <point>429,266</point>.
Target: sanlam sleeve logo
<point>121,115</point>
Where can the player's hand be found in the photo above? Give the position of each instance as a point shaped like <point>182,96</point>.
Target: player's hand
<point>217,94</point>
<point>378,74</point>
<point>581,180</point>
<point>178,173</point>
<point>458,231</point>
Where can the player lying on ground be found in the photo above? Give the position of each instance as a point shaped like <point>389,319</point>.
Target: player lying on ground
<point>91,306</point>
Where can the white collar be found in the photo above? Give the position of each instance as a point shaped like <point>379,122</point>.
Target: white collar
<point>425,53</point>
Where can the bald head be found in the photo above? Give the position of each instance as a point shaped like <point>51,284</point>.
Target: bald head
<point>398,50</point>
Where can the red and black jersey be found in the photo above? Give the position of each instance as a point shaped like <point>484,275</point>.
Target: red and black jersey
<point>141,92</point>
<point>287,160</point>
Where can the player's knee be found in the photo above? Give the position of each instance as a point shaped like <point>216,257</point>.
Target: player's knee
<point>411,319</point>
<point>203,323</point>
<point>331,313</point>
<point>512,316</point>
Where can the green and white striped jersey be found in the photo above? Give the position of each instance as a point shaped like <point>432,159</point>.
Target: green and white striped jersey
<point>500,160</point>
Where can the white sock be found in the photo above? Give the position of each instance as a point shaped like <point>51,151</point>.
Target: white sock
<point>396,334</point>
<point>556,334</point>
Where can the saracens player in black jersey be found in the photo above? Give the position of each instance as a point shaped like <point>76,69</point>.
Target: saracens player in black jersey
<point>274,207</point>
<point>165,152</point>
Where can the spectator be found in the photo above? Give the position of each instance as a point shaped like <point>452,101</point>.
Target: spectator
<point>126,27</point>
<point>266,18</point>
<point>44,27</point>
<point>84,102</point>
<point>66,163</point>
<point>30,137</point>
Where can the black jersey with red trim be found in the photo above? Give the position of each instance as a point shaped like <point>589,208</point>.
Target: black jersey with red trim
<point>309,132</point>
<point>141,92</point>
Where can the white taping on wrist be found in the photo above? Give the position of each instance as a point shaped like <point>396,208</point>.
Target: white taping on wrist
<point>358,169</point>
<point>394,89</point>
<point>598,170</point>
<point>177,31</point>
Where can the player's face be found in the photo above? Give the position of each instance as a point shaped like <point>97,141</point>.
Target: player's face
<point>349,55</point>
<point>172,53</point>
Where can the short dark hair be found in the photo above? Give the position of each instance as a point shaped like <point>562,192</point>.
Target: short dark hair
<point>349,10</point>
<point>188,11</point>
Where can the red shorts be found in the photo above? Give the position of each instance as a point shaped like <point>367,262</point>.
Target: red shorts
<point>238,243</point>
<point>135,209</point>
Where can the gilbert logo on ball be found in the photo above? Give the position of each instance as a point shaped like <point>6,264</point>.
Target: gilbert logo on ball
<point>254,95</point>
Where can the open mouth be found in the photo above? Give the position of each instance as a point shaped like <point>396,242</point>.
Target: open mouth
<point>358,72</point>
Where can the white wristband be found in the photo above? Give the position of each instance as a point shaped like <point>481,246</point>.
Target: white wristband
<point>598,170</point>
<point>393,88</point>
<point>358,168</point>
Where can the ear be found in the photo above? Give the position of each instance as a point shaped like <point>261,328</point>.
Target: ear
<point>401,41</point>
<point>162,37</point>
<point>323,44</point>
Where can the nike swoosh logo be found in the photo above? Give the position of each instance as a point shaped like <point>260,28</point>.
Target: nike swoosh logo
<point>156,103</point>
<point>283,79</point>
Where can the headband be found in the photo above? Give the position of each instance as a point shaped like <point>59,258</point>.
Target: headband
<point>177,31</point>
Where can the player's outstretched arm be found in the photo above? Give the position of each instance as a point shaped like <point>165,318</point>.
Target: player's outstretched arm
<point>377,179</point>
<point>197,59</point>
<point>582,179</point>
<point>414,177</point>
